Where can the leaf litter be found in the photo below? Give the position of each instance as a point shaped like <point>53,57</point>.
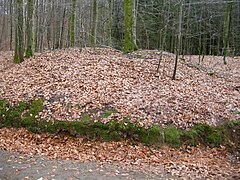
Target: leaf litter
<point>186,162</point>
<point>73,82</point>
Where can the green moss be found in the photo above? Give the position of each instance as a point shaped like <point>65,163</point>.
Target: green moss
<point>86,118</point>
<point>172,136</point>
<point>153,135</point>
<point>107,114</point>
<point>109,136</point>
<point>215,137</point>
<point>205,134</point>
<point>4,107</point>
<point>29,52</point>
<point>24,114</point>
<point>232,124</point>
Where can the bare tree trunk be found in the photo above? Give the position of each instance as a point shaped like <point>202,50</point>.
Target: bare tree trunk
<point>19,33</point>
<point>94,23</point>
<point>11,25</point>
<point>110,7</point>
<point>62,30</point>
<point>227,23</point>
<point>29,31</point>
<point>72,23</point>
<point>178,39</point>
<point>2,37</point>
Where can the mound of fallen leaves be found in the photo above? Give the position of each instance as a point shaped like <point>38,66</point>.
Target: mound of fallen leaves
<point>189,162</point>
<point>72,82</point>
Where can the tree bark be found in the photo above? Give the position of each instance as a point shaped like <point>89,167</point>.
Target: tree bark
<point>29,31</point>
<point>227,23</point>
<point>94,23</point>
<point>19,36</point>
<point>11,25</point>
<point>110,7</point>
<point>72,23</point>
<point>179,36</point>
<point>129,26</point>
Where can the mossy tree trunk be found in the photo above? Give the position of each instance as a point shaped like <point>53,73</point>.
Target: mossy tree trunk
<point>129,26</point>
<point>19,36</point>
<point>29,31</point>
<point>93,38</point>
<point>227,23</point>
<point>72,24</point>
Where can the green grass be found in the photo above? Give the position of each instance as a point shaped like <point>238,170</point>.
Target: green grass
<point>25,114</point>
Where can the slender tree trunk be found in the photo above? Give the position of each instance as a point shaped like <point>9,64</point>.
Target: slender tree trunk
<point>227,23</point>
<point>178,39</point>
<point>34,26</point>
<point>94,23</point>
<point>11,25</point>
<point>110,7</point>
<point>3,28</point>
<point>43,25</point>
<point>37,29</point>
<point>19,33</point>
<point>29,31</point>
<point>62,30</point>
<point>129,26</point>
<point>72,23</point>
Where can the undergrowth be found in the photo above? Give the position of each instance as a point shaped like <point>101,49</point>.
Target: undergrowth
<point>25,114</point>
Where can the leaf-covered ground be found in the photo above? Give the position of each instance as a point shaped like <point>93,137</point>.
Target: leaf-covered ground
<point>92,80</point>
<point>186,162</point>
<point>74,81</point>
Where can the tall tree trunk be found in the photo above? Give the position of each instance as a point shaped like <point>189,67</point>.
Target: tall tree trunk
<point>129,26</point>
<point>43,25</point>
<point>179,36</point>
<point>227,23</point>
<point>72,23</point>
<point>94,23</point>
<point>34,26</point>
<point>11,24</point>
<point>2,36</point>
<point>36,21</point>
<point>110,4</point>
<point>62,30</point>
<point>19,33</point>
<point>29,31</point>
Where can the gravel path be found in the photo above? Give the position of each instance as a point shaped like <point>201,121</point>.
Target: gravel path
<point>15,166</point>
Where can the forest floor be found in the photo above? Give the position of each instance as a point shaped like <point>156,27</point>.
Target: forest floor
<point>73,82</point>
